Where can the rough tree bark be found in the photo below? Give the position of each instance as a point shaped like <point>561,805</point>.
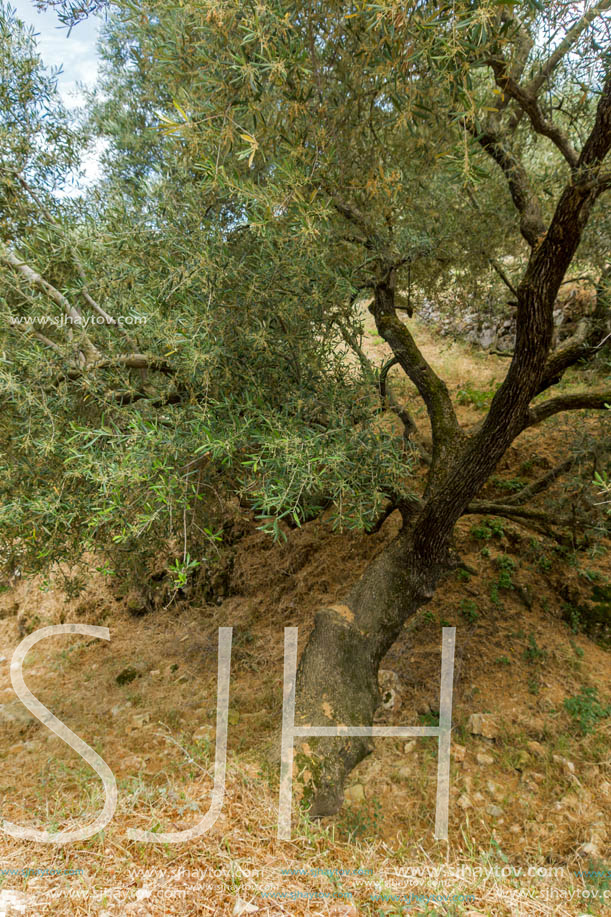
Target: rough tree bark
<point>337,674</point>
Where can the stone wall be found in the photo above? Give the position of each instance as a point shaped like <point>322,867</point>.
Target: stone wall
<point>492,326</point>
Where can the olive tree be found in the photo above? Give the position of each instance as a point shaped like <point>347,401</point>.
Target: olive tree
<point>337,151</point>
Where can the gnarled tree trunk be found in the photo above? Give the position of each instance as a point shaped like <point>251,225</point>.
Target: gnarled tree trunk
<point>337,679</point>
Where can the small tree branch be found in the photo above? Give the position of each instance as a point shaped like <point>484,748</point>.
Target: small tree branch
<point>541,484</point>
<point>497,267</point>
<point>483,508</point>
<point>35,279</point>
<point>129,361</point>
<point>27,329</point>
<point>433,390</point>
<point>109,320</point>
<point>366,364</point>
<point>389,401</point>
<point>492,261</point>
<point>383,516</point>
<point>542,525</point>
<point>354,216</point>
<point>567,43</point>
<point>528,103</point>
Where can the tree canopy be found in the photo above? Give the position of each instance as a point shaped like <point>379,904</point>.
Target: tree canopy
<point>266,169</point>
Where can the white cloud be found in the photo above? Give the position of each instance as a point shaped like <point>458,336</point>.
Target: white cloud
<point>75,54</point>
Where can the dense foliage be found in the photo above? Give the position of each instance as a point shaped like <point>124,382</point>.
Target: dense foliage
<point>264,166</point>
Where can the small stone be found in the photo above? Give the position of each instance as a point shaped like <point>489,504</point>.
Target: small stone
<point>535,725</point>
<point>390,688</point>
<point>483,724</point>
<point>484,759</point>
<point>495,811</point>
<point>404,773</point>
<point>355,794</point>
<point>538,778</point>
<point>409,746</point>
<point>536,749</point>
<point>478,798</point>
<point>155,673</point>
<point>464,802</point>
<point>516,829</point>
<point>589,850</point>
<point>243,907</point>
<point>459,752</point>
<point>524,760</point>
<point>567,766</point>
<point>15,712</point>
<point>138,720</point>
<point>136,604</point>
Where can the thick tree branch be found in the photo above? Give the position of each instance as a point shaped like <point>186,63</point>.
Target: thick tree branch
<point>576,401</point>
<point>446,431</point>
<point>526,202</point>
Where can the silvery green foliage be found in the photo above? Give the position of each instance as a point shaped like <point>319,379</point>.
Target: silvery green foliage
<point>261,166</point>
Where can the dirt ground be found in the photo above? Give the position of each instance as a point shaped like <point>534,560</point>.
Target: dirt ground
<point>530,790</point>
